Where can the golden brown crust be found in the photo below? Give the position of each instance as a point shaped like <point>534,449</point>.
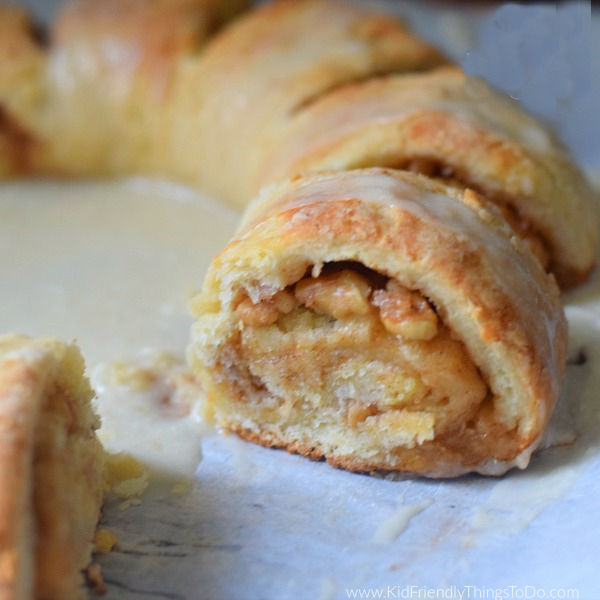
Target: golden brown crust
<point>479,138</point>
<point>169,25</point>
<point>21,66</point>
<point>431,459</point>
<point>18,45</point>
<point>50,470</point>
<point>487,288</point>
<point>141,38</point>
<point>16,146</point>
<point>18,413</point>
<point>115,60</point>
<point>159,103</point>
<point>257,73</point>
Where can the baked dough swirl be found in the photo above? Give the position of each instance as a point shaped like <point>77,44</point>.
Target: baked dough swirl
<point>381,320</point>
<point>51,470</point>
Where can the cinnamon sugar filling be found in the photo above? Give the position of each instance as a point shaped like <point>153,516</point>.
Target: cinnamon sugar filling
<point>354,351</point>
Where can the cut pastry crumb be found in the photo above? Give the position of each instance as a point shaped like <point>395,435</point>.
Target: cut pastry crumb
<point>132,376</point>
<point>104,541</point>
<point>129,503</point>
<point>95,578</point>
<point>125,476</point>
<point>182,487</point>
<point>184,391</point>
<point>162,374</point>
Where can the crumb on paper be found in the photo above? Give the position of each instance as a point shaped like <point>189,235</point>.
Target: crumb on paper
<point>104,541</point>
<point>185,390</point>
<point>166,379</point>
<point>125,476</point>
<point>95,579</point>
<point>106,436</point>
<point>136,378</point>
<point>182,487</point>
<point>129,503</point>
<point>392,527</point>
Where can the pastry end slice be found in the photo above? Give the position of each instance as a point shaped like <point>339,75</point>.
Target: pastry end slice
<point>51,470</point>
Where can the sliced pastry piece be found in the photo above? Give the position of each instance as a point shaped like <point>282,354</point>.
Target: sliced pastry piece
<point>447,126</point>
<point>95,99</point>
<point>51,470</point>
<point>128,86</point>
<point>231,105</point>
<point>381,320</point>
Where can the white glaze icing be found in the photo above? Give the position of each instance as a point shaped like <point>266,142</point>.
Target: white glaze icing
<point>474,103</point>
<point>139,422</point>
<point>110,264</point>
